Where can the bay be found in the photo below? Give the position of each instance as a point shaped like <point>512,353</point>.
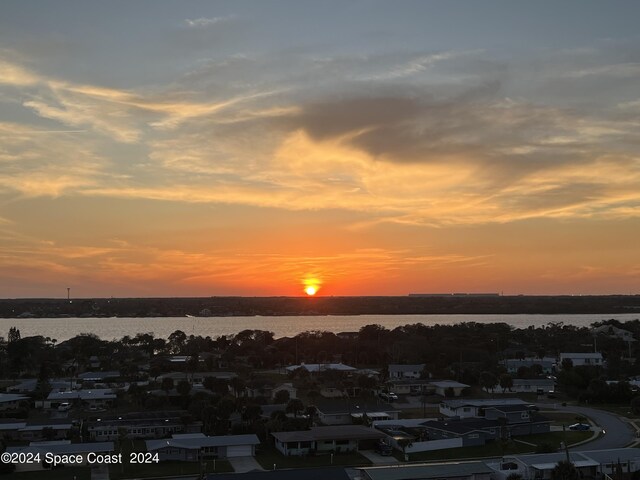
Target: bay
<point>115,328</point>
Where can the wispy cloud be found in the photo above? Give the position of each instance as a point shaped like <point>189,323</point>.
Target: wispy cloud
<point>204,22</point>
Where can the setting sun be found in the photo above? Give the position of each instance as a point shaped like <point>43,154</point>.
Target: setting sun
<point>310,290</point>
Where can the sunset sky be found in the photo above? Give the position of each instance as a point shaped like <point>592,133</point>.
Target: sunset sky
<point>193,148</point>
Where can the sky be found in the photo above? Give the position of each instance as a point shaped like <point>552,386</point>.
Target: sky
<point>363,147</point>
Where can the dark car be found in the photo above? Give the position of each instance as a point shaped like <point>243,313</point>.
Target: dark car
<point>580,426</point>
<point>383,448</point>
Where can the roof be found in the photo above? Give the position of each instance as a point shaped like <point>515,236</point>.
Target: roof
<point>513,408</point>
<point>613,455</point>
<point>462,427</point>
<point>329,473</point>
<point>533,381</point>
<point>483,402</point>
<point>449,384</point>
<point>333,406</point>
<point>406,368</point>
<point>64,448</point>
<point>193,441</point>
<point>100,393</point>
<point>334,432</point>
<point>317,367</point>
<point>581,355</point>
<point>11,397</point>
<point>422,472</point>
<point>98,375</point>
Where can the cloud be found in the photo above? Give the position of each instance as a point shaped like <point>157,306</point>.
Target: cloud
<point>204,22</point>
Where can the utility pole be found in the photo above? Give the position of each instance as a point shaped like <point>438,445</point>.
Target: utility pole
<point>69,293</point>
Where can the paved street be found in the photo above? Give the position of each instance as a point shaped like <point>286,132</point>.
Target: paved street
<point>618,433</point>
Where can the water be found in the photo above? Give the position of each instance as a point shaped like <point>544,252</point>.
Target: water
<point>115,328</point>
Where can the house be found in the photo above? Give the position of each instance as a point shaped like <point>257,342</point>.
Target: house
<point>474,407</point>
<point>446,388</point>
<point>547,364</point>
<point>99,376</point>
<point>442,471</point>
<point>539,386</point>
<point>405,371</point>
<point>590,464</point>
<point>614,332</point>
<point>288,387</point>
<point>142,425</point>
<point>97,398</point>
<point>193,447</point>
<point>346,411</point>
<point>519,419</point>
<point>12,401</point>
<point>47,431</point>
<point>196,377</point>
<point>319,367</point>
<point>409,386</point>
<point>582,359</point>
<point>318,473</point>
<point>29,385</point>
<point>61,447</point>
<point>472,431</point>
<point>328,439</point>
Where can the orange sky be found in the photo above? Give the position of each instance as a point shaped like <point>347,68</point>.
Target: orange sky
<point>218,150</point>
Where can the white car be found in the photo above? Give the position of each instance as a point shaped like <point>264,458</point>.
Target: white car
<point>64,407</point>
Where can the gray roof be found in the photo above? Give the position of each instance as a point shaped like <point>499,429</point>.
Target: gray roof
<point>613,455</point>
<point>533,381</point>
<point>96,394</point>
<point>11,397</point>
<point>462,427</point>
<point>334,432</point>
<point>406,368</point>
<point>199,440</point>
<point>483,402</point>
<point>64,448</point>
<point>421,472</point>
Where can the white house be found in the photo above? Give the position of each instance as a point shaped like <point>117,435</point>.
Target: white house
<point>469,408</point>
<point>405,371</point>
<point>582,359</point>
<point>343,438</point>
<point>197,446</point>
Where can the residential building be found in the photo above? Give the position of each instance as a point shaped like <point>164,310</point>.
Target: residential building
<point>197,446</point>
<point>405,371</point>
<point>328,439</point>
<point>346,411</point>
<point>288,387</point>
<point>582,359</point>
<point>142,425</point>
<point>97,398</point>
<point>539,386</point>
<point>319,367</point>
<point>442,471</point>
<point>468,408</point>
<point>11,401</point>
<point>547,364</point>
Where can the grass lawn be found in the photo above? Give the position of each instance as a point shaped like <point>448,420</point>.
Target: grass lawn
<point>67,473</point>
<point>166,469</point>
<point>498,449</point>
<point>562,418</point>
<point>622,410</point>
<point>268,457</point>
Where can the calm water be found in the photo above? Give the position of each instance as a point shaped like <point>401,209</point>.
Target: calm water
<point>115,328</point>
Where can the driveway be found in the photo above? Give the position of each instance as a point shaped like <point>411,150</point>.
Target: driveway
<point>378,459</point>
<point>244,464</point>
<point>617,432</point>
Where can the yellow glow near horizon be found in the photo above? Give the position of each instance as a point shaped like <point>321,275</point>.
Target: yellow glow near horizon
<point>311,285</point>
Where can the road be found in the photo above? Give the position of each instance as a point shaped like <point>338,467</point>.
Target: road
<point>618,433</point>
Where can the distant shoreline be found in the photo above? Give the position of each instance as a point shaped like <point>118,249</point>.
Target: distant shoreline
<point>317,306</point>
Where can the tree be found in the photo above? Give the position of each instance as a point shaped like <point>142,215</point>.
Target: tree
<point>565,470</point>
<point>514,476</point>
<point>167,384</point>
<point>14,334</point>
<point>281,396</point>
<point>295,406</point>
<point>488,381</point>
<point>183,387</point>
<point>506,382</point>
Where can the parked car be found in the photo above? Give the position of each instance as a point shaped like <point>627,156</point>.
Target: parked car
<point>580,426</point>
<point>389,396</point>
<point>383,448</point>
<point>64,407</point>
